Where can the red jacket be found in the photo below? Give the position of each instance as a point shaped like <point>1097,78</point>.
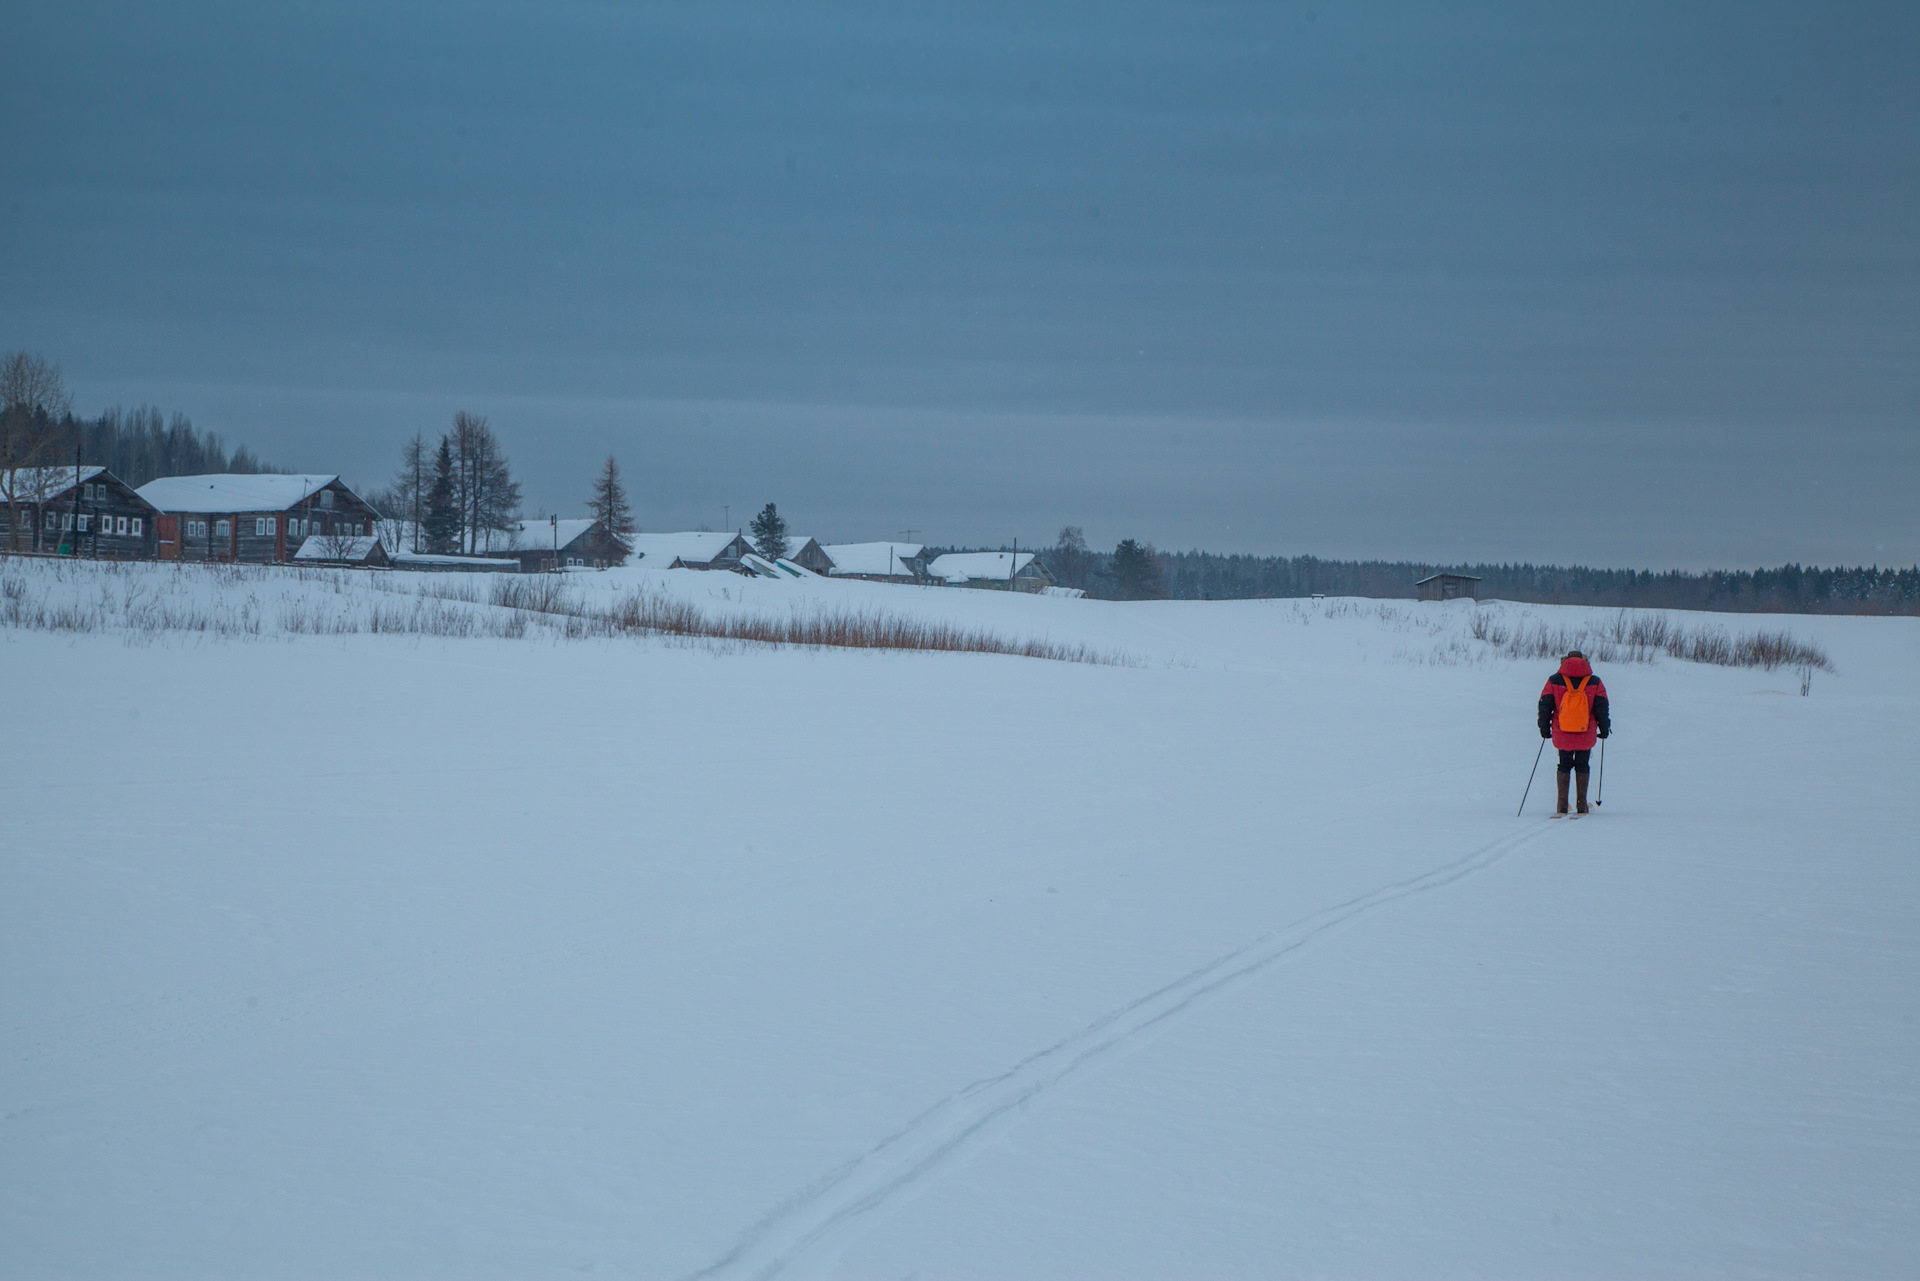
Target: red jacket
<point>1571,671</point>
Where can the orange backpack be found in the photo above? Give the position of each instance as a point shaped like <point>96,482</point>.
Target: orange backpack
<point>1575,707</point>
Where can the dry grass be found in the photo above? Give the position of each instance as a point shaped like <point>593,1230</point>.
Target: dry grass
<point>1639,638</point>
<point>251,601</point>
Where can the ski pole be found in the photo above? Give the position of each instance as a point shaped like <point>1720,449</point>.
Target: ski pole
<point>1601,782</point>
<point>1530,773</point>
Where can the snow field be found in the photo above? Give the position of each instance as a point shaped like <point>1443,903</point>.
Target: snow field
<point>404,955</point>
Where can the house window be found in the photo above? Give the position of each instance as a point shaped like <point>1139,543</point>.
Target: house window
<point>120,525</point>
<point>52,518</point>
<point>136,525</point>
<point>223,529</point>
<point>84,522</point>
<point>259,526</point>
<point>66,523</point>
<point>326,498</point>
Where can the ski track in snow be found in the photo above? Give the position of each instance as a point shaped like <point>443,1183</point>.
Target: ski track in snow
<point>822,1219</point>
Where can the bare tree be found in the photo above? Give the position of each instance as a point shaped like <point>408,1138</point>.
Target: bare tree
<point>33,400</point>
<point>338,544</point>
<point>410,485</point>
<point>1070,561</point>
<point>486,495</point>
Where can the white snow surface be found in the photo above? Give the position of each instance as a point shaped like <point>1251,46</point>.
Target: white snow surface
<point>231,492</point>
<point>399,956</point>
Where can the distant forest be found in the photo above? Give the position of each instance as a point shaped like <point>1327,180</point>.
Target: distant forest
<point>141,444</point>
<point>138,445</point>
<point>1135,571</point>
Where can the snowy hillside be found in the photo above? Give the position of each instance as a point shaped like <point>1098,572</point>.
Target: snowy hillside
<point>370,925</point>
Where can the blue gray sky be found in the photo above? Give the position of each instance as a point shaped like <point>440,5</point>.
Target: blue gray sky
<point>1629,285</point>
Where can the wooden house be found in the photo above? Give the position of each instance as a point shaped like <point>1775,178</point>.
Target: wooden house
<point>878,562</point>
<point>1448,587</point>
<point>259,519</point>
<point>555,543</point>
<point>76,511</point>
<point>997,571</point>
<point>808,555</point>
<point>700,550</point>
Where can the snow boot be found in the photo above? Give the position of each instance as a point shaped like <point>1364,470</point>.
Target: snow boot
<point>1580,777</point>
<point>1560,790</point>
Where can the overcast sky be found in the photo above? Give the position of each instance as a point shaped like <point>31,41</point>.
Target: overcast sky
<point>1438,281</point>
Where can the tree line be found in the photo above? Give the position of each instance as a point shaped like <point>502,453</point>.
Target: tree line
<point>1137,571</point>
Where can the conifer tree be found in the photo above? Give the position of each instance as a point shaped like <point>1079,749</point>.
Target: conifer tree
<point>1137,571</point>
<point>443,514</point>
<point>769,533</point>
<point>608,505</point>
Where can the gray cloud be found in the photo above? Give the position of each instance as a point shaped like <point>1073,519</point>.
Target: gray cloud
<point>1329,278</point>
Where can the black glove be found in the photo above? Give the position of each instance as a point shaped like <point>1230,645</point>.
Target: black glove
<point>1604,730</point>
<point>1546,733</point>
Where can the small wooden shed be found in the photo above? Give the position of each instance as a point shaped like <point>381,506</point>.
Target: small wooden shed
<point>1448,587</point>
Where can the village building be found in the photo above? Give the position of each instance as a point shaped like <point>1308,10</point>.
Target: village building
<point>76,511</point>
<point>259,519</point>
<point>878,562</point>
<point>701,550</point>
<point>554,543</point>
<point>343,549</point>
<point>1448,587</point>
<point>1001,571</point>
<point>807,554</point>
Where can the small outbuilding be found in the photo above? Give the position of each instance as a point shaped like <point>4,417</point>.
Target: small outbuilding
<point>1448,587</point>
<point>360,552</point>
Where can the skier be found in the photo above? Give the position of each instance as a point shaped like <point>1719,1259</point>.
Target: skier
<point>1573,713</point>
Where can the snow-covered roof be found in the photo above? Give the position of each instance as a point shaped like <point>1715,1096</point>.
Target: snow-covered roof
<point>231,492</point>
<point>43,482</point>
<point>460,562</point>
<point>536,535</point>
<point>335,547</point>
<point>961,566</point>
<point>872,558</point>
<point>661,550</point>
<point>782,568</point>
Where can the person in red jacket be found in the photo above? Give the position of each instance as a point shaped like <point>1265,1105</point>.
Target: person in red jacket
<point>1574,714</point>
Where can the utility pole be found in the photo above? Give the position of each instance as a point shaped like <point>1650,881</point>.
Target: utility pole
<point>554,520</point>
<point>73,535</point>
<point>726,515</point>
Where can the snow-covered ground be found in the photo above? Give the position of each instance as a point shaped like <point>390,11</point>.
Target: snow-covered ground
<point>359,954</point>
